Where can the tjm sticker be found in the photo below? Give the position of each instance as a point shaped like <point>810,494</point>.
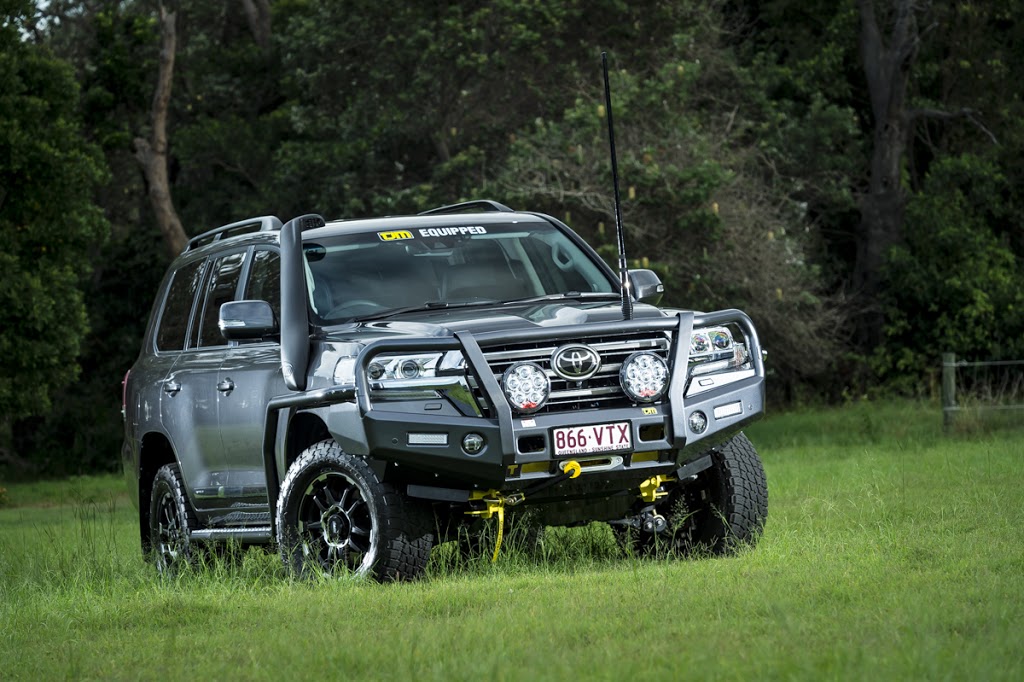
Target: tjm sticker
<point>393,236</point>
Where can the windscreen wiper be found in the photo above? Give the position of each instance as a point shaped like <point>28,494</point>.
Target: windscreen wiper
<point>423,307</point>
<point>570,295</point>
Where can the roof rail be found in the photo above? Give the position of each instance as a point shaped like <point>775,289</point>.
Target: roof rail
<point>466,205</point>
<point>265,223</point>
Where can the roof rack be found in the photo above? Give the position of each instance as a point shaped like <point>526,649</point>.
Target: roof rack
<point>466,205</point>
<point>265,223</point>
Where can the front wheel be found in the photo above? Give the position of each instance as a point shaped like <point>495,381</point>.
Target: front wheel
<point>722,509</point>
<point>334,514</point>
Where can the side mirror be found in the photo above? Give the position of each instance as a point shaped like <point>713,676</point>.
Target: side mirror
<point>647,286</point>
<point>245,320</point>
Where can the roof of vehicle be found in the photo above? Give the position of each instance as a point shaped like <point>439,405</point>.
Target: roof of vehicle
<point>266,229</point>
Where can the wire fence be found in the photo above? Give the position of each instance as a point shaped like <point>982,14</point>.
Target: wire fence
<point>980,386</point>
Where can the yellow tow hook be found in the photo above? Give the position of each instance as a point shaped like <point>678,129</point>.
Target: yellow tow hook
<point>494,505</point>
<point>649,489</point>
<point>495,502</point>
<point>571,467</point>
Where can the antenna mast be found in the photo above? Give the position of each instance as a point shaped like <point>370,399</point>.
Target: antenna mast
<point>627,303</point>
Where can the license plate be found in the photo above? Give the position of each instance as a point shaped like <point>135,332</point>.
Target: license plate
<point>587,440</point>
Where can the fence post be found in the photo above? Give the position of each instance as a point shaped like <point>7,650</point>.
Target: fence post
<point>948,389</point>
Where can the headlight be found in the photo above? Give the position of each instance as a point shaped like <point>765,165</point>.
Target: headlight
<point>526,386</point>
<point>644,377</point>
<point>392,367</point>
<point>713,349</point>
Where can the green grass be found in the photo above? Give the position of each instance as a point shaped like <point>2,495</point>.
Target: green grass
<point>891,552</point>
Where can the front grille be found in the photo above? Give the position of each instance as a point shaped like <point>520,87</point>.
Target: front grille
<point>599,391</point>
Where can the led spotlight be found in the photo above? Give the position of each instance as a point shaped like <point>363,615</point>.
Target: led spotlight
<point>526,386</point>
<point>644,377</point>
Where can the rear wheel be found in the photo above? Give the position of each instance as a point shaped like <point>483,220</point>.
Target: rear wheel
<point>171,521</point>
<point>334,514</point>
<point>724,508</point>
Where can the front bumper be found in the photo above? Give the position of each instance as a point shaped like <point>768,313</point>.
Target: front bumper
<point>519,448</point>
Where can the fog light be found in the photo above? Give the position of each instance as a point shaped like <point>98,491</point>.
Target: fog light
<point>526,386</point>
<point>644,377</point>
<point>472,443</point>
<point>698,421</point>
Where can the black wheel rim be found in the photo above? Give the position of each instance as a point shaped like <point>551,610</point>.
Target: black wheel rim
<point>170,534</point>
<point>335,524</point>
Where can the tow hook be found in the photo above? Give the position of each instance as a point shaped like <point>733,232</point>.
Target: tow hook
<point>495,502</point>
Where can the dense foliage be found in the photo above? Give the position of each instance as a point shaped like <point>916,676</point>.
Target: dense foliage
<point>751,156</point>
<point>50,224</point>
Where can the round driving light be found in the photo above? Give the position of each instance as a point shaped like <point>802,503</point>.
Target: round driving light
<point>375,370</point>
<point>698,421</point>
<point>410,369</point>
<point>720,340</point>
<point>699,343</point>
<point>526,386</point>
<point>644,377</point>
<point>472,443</point>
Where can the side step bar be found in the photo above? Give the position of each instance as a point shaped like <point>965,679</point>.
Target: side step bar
<point>256,535</point>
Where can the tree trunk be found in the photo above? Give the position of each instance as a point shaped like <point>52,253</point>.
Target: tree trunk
<point>887,69</point>
<point>257,14</point>
<point>152,153</point>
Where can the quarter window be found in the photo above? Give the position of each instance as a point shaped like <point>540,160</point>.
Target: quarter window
<point>174,320</point>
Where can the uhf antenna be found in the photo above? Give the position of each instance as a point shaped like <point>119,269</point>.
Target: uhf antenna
<point>627,303</point>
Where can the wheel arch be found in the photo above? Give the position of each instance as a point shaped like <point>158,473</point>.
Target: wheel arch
<point>155,451</point>
<point>304,429</point>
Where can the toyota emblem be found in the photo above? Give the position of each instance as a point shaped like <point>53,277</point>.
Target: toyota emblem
<point>575,362</point>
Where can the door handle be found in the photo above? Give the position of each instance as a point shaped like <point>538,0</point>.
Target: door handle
<point>171,387</point>
<point>226,386</point>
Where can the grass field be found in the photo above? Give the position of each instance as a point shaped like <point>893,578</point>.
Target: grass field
<point>891,552</point>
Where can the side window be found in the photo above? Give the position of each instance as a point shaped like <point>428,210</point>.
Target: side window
<point>265,280</point>
<point>221,288</point>
<point>174,320</point>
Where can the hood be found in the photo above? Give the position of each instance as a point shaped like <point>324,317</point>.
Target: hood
<point>446,321</point>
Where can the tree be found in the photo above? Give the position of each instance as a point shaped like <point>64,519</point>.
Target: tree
<point>152,153</point>
<point>48,219</point>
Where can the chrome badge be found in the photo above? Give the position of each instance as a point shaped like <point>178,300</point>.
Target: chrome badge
<point>575,362</point>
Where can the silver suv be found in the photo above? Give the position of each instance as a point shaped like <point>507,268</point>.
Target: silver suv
<point>357,391</point>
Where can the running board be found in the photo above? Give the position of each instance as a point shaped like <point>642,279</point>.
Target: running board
<point>257,535</point>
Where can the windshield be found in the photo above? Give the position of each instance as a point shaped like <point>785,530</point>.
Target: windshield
<point>366,274</point>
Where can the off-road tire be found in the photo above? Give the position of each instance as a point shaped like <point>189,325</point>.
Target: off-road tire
<point>724,509</point>
<point>171,522</point>
<point>335,515</point>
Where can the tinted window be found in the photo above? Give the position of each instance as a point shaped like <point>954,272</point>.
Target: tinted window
<point>174,320</point>
<point>265,280</point>
<point>356,274</point>
<point>221,289</point>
